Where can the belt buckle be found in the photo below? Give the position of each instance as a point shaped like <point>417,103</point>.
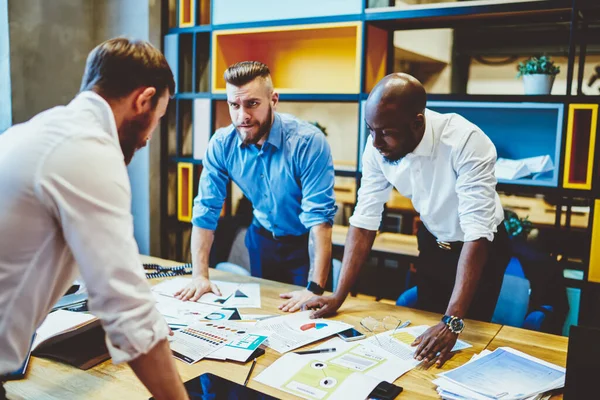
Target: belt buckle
<point>444,245</point>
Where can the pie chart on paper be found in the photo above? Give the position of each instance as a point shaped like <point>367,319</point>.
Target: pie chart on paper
<point>313,325</point>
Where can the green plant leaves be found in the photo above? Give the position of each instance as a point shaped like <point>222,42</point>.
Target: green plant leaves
<point>537,65</point>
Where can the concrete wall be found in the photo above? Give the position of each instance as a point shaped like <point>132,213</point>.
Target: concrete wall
<point>49,43</point>
<point>5,100</point>
<point>130,18</point>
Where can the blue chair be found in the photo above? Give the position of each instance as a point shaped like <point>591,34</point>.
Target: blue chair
<point>513,301</point>
<point>233,268</point>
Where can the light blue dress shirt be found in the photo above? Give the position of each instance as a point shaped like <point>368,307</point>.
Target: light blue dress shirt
<point>289,180</point>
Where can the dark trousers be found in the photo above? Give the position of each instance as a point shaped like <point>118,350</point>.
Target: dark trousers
<point>283,260</point>
<point>436,274</point>
<point>2,392</point>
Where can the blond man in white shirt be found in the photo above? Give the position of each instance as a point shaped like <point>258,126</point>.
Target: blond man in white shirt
<point>65,199</point>
<point>445,165</point>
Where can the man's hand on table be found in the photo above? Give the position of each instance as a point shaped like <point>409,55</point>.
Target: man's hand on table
<point>323,305</point>
<point>436,339</point>
<point>295,300</point>
<point>196,288</point>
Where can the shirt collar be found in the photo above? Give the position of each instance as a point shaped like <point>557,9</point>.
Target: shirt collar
<point>92,101</point>
<point>425,146</point>
<point>275,134</point>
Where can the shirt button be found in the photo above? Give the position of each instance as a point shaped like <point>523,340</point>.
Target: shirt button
<point>262,176</point>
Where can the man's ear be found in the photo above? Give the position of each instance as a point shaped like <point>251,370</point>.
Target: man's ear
<point>274,99</point>
<point>143,101</point>
<point>419,122</point>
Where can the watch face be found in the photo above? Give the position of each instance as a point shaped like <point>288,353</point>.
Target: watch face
<point>457,325</point>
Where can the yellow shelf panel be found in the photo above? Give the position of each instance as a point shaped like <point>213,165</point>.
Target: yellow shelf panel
<point>185,187</point>
<point>594,266</point>
<point>187,13</point>
<point>580,145</point>
<point>319,58</point>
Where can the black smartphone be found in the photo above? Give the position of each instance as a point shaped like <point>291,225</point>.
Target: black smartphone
<point>385,391</point>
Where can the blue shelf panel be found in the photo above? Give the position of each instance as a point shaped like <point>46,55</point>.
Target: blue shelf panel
<point>191,29</point>
<point>185,159</point>
<point>518,130</point>
<point>191,96</point>
<point>391,16</point>
<point>234,13</point>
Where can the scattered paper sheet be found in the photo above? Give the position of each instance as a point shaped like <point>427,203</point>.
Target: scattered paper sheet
<point>398,342</point>
<point>240,295</point>
<point>351,372</point>
<point>289,332</point>
<point>179,313</point>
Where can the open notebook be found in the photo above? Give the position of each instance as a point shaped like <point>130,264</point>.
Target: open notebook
<point>74,338</point>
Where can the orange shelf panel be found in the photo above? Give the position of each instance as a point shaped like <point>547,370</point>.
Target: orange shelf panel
<point>320,58</point>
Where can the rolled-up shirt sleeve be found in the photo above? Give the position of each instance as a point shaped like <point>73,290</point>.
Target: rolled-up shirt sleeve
<point>212,189</point>
<point>476,186</point>
<point>317,179</point>
<point>374,192</point>
<point>85,185</point>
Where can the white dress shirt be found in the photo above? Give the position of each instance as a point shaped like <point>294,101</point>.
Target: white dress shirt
<point>449,177</point>
<point>65,202</point>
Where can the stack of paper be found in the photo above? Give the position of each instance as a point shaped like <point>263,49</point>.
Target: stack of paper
<point>516,169</point>
<point>505,374</point>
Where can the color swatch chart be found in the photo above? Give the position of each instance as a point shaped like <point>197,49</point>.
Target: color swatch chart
<point>193,343</point>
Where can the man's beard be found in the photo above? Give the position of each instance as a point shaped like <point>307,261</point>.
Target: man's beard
<point>392,161</point>
<point>130,136</point>
<point>263,130</point>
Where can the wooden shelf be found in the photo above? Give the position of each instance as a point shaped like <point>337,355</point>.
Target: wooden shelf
<point>310,59</point>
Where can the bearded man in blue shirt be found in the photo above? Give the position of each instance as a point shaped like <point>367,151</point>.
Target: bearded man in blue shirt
<point>284,167</point>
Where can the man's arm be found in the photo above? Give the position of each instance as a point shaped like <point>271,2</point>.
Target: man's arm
<point>212,191</point>
<point>439,338</point>
<point>474,163</point>
<point>373,193</point>
<point>164,382</point>
<point>92,206</point>
<point>319,252</point>
<point>357,248</point>
<point>201,243</point>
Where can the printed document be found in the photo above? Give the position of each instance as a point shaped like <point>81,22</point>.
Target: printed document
<point>289,332</point>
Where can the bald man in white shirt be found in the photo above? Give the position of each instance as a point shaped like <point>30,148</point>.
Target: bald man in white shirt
<point>445,165</point>
<point>66,210</point>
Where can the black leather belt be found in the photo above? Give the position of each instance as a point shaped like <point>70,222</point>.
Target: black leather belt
<point>284,239</point>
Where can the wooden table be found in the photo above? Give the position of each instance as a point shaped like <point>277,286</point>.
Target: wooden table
<point>50,380</point>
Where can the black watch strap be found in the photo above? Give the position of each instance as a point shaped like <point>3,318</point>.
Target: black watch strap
<point>315,288</point>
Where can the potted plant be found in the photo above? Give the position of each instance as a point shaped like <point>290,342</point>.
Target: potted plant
<point>538,74</point>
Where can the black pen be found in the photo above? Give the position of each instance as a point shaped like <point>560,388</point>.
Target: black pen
<point>250,372</point>
<point>331,350</point>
